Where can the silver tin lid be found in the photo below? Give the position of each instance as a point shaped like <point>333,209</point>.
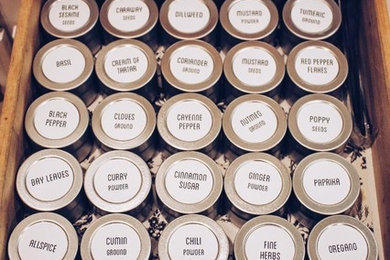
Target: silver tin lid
<point>49,180</point>
<point>43,236</point>
<point>63,65</point>
<point>118,181</point>
<point>191,66</point>
<point>320,122</point>
<point>249,20</point>
<point>189,122</point>
<point>116,236</point>
<point>326,183</point>
<point>254,67</point>
<point>317,67</point>
<point>188,19</point>
<point>254,123</point>
<point>126,65</point>
<point>128,19</point>
<point>192,235</point>
<point>69,18</point>
<point>124,121</point>
<point>189,183</point>
<point>56,120</point>
<point>268,237</point>
<point>341,237</point>
<point>312,19</point>
<point>257,184</point>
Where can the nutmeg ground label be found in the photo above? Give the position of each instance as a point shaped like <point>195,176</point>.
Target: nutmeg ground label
<point>69,15</point>
<point>128,15</point>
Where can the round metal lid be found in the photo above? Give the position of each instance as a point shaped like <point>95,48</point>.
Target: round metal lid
<point>134,240</point>
<point>317,67</point>
<point>213,240</point>
<point>200,56</point>
<point>109,185</point>
<point>328,235</point>
<point>197,168</point>
<point>268,235</point>
<point>139,121</point>
<point>257,183</point>
<point>254,123</point>
<point>69,18</point>
<point>325,121</point>
<point>56,120</point>
<point>204,14</point>
<point>63,65</point>
<point>126,65</point>
<point>320,20</point>
<point>49,180</point>
<point>199,112</point>
<point>27,238</point>
<point>131,18</point>
<point>263,13</point>
<point>254,67</point>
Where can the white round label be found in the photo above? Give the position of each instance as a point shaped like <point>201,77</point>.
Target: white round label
<point>56,119</point>
<point>342,242</point>
<point>123,120</point>
<point>326,182</point>
<point>191,65</point>
<point>49,179</point>
<point>128,15</point>
<point>311,16</point>
<point>319,122</point>
<point>115,241</point>
<point>258,182</point>
<point>189,181</point>
<point>254,122</point>
<point>193,241</point>
<point>189,121</point>
<point>126,64</point>
<point>254,66</point>
<point>69,15</point>
<point>188,16</point>
<point>117,180</point>
<point>63,64</point>
<point>316,66</point>
<point>269,242</point>
<point>44,241</point>
<point>249,16</point>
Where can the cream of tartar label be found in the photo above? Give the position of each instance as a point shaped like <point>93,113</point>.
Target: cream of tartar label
<point>43,240</point>
<point>316,66</point>
<point>319,122</point>
<point>191,65</point>
<point>249,16</point>
<point>56,119</point>
<point>126,64</point>
<point>254,122</point>
<point>63,64</point>
<point>258,182</point>
<point>342,242</point>
<point>189,121</point>
<point>69,15</point>
<point>188,16</point>
<point>128,15</point>
<point>193,241</point>
<point>326,182</point>
<point>189,181</point>
<point>254,66</point>
<point>269,242</point>
<point>117,180</point>
<point>311,16</point>
<point>123,120</point>
<point>49,179</point>
<point>115,241</point>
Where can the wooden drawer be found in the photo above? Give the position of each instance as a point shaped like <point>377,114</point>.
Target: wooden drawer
<point>375,72</point>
